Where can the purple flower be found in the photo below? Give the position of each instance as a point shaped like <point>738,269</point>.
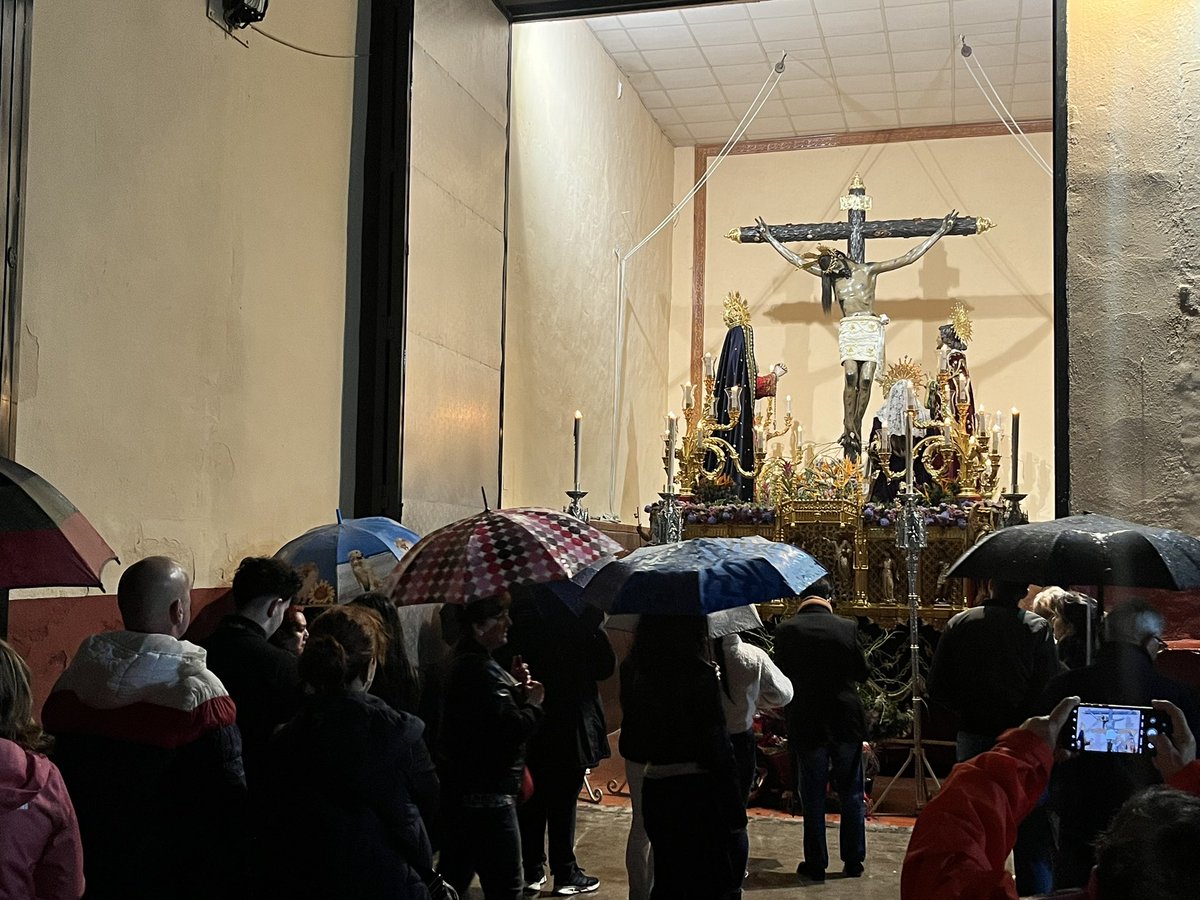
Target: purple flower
<point>885,522</point>
<point>712,520</point>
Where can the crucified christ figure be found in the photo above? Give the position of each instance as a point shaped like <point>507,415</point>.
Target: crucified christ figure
<point>860,331</point>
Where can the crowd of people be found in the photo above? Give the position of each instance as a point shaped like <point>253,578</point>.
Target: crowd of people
<point>294,758</point>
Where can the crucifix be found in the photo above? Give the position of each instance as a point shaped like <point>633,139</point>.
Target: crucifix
<point>852,280</point>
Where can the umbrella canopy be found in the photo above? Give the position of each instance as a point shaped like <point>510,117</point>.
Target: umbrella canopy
<point>701,576</point>
<point>485,554</point>
<point>1088,549</point>
<point>44,540</point>
<point>339,561</point>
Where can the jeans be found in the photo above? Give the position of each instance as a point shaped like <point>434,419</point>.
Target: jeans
<point>845,761</point>
<point>551,809</point>
<point>744,748</point>
<point>486,841</point>
<point>1033,853</point>
<point>639,859</point>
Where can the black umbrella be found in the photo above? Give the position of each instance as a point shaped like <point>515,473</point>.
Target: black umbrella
<point>1089,549</point>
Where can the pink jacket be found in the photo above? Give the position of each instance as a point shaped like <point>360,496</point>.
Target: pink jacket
<point>40,853</point>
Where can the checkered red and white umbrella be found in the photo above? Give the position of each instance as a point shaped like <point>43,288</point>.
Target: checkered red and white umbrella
<point>483,555</point>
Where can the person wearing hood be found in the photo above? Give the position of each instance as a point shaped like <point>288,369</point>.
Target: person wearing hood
<point>40,852</point>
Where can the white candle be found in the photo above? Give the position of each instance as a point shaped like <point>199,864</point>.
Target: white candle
<point>708,365</point>
<point>943,359</point>
<point>1016,436</point>
<point>996,438</point>
<point>794,438</point>
<point>578,426</point>
<point>689,396</point>
<point>735,398</point>
<point>760,438</point>
<point>671,452</point>
<point>788,404</point>
<point>908,449</point>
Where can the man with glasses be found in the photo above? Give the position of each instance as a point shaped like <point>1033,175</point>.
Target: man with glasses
<point>1086,791</point>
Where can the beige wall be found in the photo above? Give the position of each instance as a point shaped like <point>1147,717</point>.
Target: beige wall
<point>590,173</point>
<point>456,260</point>
<point>1005,277</point>
<point>1133,98</point>
<point>184,274</point>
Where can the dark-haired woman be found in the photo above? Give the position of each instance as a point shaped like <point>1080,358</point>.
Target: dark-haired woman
<point>350,777</point>
<point>487,716</point>
<point>40,852</point>
<point>673,723</point>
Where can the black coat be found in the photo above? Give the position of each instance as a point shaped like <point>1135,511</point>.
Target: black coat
<point>261,678</point>
<point>485,724</point>
<point>348,791</point>
<point>568,654</point>
<point>819,653</point>
<point>991,665</point>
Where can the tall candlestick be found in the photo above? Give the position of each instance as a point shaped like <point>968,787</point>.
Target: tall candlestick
<point>578,426</point>
<point>671,421</point>
<point>908,449</point>
<point>1016,438</point>
<point>708,365</point>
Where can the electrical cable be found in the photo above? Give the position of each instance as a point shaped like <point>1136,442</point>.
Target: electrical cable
<point>1005,117</point>
<point>280,40</point>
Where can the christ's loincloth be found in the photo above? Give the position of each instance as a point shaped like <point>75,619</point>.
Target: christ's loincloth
<point>860,337</point>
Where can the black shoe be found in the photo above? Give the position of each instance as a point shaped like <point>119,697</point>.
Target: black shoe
<point>813,874</point>
<point>853,870</point>
<point>575,883</point>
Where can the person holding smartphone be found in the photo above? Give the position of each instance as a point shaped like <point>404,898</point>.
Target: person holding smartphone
<point>1087,790</point>
<point>962,838</point>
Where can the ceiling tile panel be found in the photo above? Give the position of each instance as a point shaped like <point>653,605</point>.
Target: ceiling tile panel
<point>681,58</point>
<point>740,95</point>
<point>1032,109</point>
<point>735,54</point>
<point>686,78</point>
<point>921,61</point>
<point>629,63</point>
<point>755,74</point>
<point>890,3</point>
<point>668,116</point>
<point>651,19</point>
<point>926,16</point>
<point>1027,72</point>
<point>923,81</point>
<point>860,102</point>
<point>874,64</point>
<point>833,6</point>
<point>1033,9</point>
<point>809,90</point>
<point>786,29</point>
<point>616,41</point>
<point>1042,91</point>
<point>853,84</point>
<point>771,9</point>
<point>860,22</point>
<point>696,96</point>
<point>769,126</point>
<point>967,12</point>
<point>770,108</point>
<point>667,38</point>
<point>920,39</point>
<point>725,33</point>
<point>857,121</point>
<point>717,112</point>
<point>1035,51</point>
<point>924,99</point>
<point>923,116</point>
<point>603,23</point>
<point>724,12</point>
<point>811,106</point>
<point>644,81</point>
<point>975,112</point>
<point>712,131</point>
<point>856,44</point>
<point>805,69</point>
<point>819,124</point>
<point>797,48</point>
<point>655,100</point>
<point>678,135</point>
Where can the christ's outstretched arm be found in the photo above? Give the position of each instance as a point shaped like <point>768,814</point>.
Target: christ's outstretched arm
<point>793,258</point>
<point>916,252</point>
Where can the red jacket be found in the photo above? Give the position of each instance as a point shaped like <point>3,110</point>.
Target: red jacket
<point>40,853</point>
<point>965,834</point>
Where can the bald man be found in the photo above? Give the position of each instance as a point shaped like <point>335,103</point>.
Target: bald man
<point>148,747</point>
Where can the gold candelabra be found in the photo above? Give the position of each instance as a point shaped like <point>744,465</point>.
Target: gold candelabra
<point>953,454</point>
<point>704,435</point>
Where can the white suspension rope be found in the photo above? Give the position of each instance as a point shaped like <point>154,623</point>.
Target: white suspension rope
<point>764,94</point>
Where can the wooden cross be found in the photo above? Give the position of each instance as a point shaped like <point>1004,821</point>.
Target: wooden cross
<point>856,229</point>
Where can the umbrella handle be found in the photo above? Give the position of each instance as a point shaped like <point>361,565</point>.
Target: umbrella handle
<point>486,508</point>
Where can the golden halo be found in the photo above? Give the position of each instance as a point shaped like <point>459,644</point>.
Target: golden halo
<point>906,367</point>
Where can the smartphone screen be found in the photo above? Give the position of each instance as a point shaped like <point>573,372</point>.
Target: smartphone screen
<point>1111,729</point>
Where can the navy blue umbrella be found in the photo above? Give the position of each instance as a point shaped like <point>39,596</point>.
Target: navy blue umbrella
<point>700,576</point>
